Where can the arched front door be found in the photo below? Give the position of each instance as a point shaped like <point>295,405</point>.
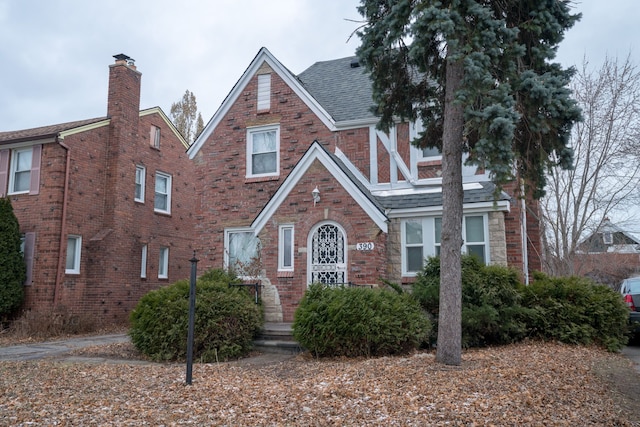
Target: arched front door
<point>327,254</point>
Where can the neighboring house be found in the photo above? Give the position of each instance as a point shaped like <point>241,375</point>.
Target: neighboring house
<point>296,185</point>
<point>608,255</point>
<point>105,204</point>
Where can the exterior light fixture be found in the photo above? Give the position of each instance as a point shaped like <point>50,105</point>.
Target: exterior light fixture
<point>316,195</point>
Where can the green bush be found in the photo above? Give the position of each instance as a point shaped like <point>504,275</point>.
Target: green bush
<point>12,266</point>
<point>226,320</point>
<point>491,310</point>
<point>358,322</point>
<point>575,310</point>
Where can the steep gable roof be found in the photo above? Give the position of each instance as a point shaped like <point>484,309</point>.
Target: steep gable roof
<point>342,87</point>
<point>317,152</point>
<point>263,56</point>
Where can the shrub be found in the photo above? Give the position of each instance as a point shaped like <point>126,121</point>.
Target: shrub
<point>226,320</point>
<point>358,322</point>
<point>575,310</point>
<point>491,310</point>
<point>12,266</point>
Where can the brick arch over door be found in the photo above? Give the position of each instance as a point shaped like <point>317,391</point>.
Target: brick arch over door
<point>327,254</point>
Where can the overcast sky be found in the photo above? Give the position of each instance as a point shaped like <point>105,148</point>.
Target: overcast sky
<point>54,54</point>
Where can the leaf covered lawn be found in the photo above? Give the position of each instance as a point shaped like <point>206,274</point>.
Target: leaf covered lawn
<point>528,384</point>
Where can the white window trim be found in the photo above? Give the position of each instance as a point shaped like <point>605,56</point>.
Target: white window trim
<point>13,170</point>
<point>249,150</point>
<point>227,232</point>
<point>143,171</point>
<point>163,263</point>
<point>429,239</point>
<point>143,262</point>
<point>168,194</point>
<point>78,255</point>
<point>281,247</point>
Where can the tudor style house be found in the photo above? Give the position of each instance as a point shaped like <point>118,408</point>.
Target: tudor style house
<point>104,205</point>
<point>296,185</point>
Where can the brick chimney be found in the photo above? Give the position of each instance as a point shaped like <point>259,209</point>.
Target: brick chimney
<point>124,89</point>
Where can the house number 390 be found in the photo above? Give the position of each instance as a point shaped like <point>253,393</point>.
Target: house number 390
<point>366,246</point>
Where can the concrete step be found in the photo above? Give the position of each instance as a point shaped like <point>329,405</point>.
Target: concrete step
<point>277,338</point>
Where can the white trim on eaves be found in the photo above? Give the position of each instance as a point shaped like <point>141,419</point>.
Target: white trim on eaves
<point>316,152</point>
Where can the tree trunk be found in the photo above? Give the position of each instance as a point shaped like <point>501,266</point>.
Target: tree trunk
<point>449,350</point>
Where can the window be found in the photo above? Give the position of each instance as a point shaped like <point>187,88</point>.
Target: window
<point>20,174</point>
<point>262,151</point>
<point>414,245</point>
<point>74,244</point>
<point>264,92</point>
<point>421,238</point>
<point>430,152</point>
<point>143,263</point>
<point>242,252</point>
<point>474,237</point>
<point>285,248</point>
<point>27,247</point>
<point>140,176</point>
<point>607,238</point>
<point>163,193</point>
<point>163,263</point>
<point>154,137</point>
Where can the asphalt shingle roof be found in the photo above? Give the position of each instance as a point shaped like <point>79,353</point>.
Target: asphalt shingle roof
<point>44,131</point>
<point>342,89</point>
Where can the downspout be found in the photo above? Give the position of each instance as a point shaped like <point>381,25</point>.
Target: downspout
<point>525,237</point>
<point>63,226</point>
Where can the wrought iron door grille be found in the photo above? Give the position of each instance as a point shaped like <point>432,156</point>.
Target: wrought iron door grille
<point>327,259</point>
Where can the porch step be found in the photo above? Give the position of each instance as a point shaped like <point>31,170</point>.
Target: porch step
<point>277,338</point>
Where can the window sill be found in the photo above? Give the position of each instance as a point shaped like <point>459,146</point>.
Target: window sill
<point>251,180</point>
<point>285,274</point>
<point>434,162</point>
<point>162,213</point>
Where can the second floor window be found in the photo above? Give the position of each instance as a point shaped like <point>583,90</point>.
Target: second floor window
<point>263,145</point>
<point>162,201</point>
<point>20,177</point>
<point>155,137</point>
<point>139,192</point>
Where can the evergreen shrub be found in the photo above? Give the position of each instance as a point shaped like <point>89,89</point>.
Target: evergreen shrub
<point>491,309</point>
<point>226,320</point>
<point>576,310</point>
<point>12,266</point>
<point>353,322</point>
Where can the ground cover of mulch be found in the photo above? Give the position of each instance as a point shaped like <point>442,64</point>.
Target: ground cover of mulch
<point>529,384</point>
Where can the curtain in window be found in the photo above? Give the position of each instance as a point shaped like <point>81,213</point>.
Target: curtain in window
<point>264,152</point>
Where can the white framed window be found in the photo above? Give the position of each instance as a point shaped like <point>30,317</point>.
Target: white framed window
<point>421,238</point>
<point>263,147</point>
<point>140,181</point>
<point>74,245</point>
<point>285,248</point>
<point>163,263</point>
<point>242,251</point>
<point>162,201</point>
<point>143,262</point>
<point>154,137</point>
<point>264,92</point>
<point>20,170</point>
<point>430,154</point>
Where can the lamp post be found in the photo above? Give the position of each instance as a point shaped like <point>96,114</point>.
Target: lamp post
<point>192,314</point>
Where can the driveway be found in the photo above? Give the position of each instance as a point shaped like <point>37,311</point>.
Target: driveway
<point>633,353</point>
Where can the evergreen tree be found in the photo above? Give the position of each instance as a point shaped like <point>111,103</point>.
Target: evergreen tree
<point>12,265</point>
<point>478,74</point>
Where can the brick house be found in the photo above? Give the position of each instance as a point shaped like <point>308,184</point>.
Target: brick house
<point>104,204</point>
<point>608,255</point>
<point>296,185</point>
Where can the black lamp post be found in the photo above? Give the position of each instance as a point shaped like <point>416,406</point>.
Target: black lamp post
<point>192,314</point>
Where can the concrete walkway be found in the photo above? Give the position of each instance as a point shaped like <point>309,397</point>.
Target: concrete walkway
<point>60,350</point>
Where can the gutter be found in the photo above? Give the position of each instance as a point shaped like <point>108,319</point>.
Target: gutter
<point>63,226</point>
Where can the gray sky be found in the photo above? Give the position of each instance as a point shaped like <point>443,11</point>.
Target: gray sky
<point>54,54</point>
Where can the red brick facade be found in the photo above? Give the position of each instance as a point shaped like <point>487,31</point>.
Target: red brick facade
<point>86,189</point>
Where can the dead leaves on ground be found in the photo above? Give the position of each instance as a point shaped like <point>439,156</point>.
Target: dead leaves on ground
<point>526,384</point>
